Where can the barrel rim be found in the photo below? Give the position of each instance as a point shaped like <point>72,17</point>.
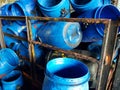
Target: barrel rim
<point>14,72</point>
<point>110,6</point>
<point>68,81</point>
<point>20,6</point>
<point>51,8</point>
<point>84,5</point>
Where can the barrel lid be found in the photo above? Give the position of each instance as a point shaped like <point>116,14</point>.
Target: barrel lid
<point>72,34</point>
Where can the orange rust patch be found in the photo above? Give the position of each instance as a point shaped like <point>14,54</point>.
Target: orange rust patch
<point>107,60</point>
<point>2,75</point>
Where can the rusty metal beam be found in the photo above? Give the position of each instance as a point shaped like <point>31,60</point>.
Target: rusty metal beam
<point>110,37</point>
<point>88,20</point>
<point>73,54</point>
<point>31,48</point>
<point>2,43</point>
<point>116,77</point>
<point>14,36</point>
<point>67,52</point>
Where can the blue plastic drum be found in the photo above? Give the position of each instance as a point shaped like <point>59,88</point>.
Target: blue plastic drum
<point>85,5</point>
<point>95,32</point>
<point>12,81</point>
<point>66,74</point>
<point>8,61</point>
<point>64,35</point>
<point>55,8</point>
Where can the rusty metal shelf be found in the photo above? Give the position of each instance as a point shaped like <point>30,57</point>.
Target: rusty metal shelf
<point>108,47</point>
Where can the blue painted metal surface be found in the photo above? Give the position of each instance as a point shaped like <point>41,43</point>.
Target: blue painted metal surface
<point>12,81</point>
<point>66,74</point>
<point>54,8</point>
<point>65,35</point>
<point>8,61</point>
<point>94,32</point>
<point>85,5</point>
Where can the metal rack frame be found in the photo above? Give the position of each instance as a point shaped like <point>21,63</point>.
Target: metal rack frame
<point>108,47</point>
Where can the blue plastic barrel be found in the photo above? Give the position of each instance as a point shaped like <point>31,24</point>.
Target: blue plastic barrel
<point>18,9</point>
<point>66,74</point>
<point>6,11</point>
<point>65,35</point>
<point>14,29</point>
<point>95,48</point>
<point>105,2</point>
<point>94,32</point>
<point>109,12</point>
<point>55,8</point>
<point>12,81</point>
<point>23,51</point>
<point>8,61</point>
<point>29,5</point>
<point>34,28</point>
<point>85,5</point>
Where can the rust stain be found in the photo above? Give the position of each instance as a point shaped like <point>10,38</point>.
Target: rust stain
<point>2,75</point>
<point>107,60</point>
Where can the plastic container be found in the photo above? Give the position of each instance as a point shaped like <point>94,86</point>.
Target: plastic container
<point>35,27</point>
<point>8,61</point>
<point>64,35</point>
<point>18,9</point>
<point>94,32</point>
<point>23,51</point>
<point>66,74</point>
<point>28,4</point>
<point>6,11</point>
<point>12,81</point>
<point>95,48</point>
<point>55,8</point>
<point>14,29</point>
<point>85,5</point>
<point>105,2</point>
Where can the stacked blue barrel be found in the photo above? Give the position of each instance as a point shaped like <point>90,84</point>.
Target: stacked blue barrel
<point>63,35</point>
<point>10,79</point>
